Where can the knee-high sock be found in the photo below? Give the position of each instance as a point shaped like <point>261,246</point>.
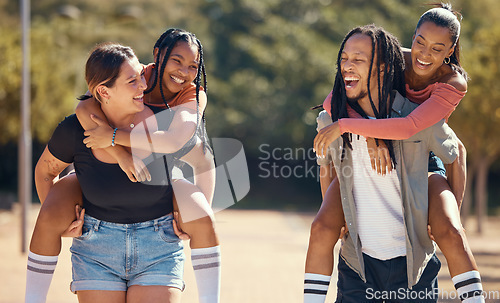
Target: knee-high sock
<point>315,288</point>
<point>206,265</point>
<point>38,277</point>
<point>469,287</point>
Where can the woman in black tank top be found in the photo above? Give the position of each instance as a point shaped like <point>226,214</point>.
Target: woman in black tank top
<point>58,212</point>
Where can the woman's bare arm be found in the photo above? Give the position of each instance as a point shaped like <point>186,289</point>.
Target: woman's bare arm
<point>47,171</point>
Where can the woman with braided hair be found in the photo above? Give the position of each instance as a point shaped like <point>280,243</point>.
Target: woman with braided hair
<point>176,89</point>
<point>434,79</point>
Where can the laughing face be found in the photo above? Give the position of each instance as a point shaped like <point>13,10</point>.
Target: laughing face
<point>431,45</point>
<point>128,91</point>
<point>355,66</point>
<point>181,68</point>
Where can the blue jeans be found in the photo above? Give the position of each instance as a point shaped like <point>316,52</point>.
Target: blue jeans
<point>386,281</point>
<point>112,256</point>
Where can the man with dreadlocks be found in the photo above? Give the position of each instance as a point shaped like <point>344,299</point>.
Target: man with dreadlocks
<point>387,253</point>
<point>177,83</point>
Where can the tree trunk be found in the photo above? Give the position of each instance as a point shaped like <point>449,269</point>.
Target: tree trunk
<point>481,190</point>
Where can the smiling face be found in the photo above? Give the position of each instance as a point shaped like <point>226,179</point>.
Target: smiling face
<point>355,66</point>
<point>181,68</point>
<point>127,94</point>
<point>431,45</point>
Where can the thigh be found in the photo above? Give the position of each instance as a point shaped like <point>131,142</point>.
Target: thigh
<point>153,294</point>
<point>331,213</point>
<point>190,201</point>
<point>100,296</point>
<point>443,206</point>
<point>59,206</point>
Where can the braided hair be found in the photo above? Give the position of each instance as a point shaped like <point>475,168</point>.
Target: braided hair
<point>443,15</point>
<point>167,41</point>
<point>389,53</point>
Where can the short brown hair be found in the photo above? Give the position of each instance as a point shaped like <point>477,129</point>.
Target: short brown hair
<point>104,64</point>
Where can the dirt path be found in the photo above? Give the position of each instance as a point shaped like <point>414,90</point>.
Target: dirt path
<point>263,259</point>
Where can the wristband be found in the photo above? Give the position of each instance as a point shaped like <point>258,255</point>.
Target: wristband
<point>114,135</point>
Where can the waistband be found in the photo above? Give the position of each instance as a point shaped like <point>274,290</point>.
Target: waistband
<point>155,222</point>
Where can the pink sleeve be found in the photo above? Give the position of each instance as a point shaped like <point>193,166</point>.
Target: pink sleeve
<point>439,105</point>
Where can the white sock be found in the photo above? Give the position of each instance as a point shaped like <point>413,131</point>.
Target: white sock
<point>469,287</point>
<point>315,288</point>
<point>38,277</point>
<point>206,265</point>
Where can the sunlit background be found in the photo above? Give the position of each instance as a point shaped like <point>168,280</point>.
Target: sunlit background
<point>268,62</point>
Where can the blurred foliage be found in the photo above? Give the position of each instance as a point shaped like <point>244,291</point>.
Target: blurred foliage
<point>52,77</point>
<point>268,61</point>
<point>477,119</point>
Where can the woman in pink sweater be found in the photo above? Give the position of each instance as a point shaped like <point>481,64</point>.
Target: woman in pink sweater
<point>435,80</point>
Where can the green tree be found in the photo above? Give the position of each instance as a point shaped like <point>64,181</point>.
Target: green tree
<point>52,87</point>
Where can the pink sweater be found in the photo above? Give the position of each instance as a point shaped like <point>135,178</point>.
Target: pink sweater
<point>438,101</point>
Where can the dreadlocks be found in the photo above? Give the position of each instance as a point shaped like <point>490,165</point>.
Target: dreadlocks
<point>167,41</point>
<point>388,51</point>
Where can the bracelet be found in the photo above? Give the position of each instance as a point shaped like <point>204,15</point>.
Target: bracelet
<point>114,135</point>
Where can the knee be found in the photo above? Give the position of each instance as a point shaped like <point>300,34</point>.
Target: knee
<point>47,217</point>
<point>202,226</point>
<point>448,234</point>
<point>206,222</point>
<point>321,230</point>
<point>53,218</point>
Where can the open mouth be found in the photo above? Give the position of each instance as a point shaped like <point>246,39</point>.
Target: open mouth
<point>350,82</point>
<point>422,64</point>
<point>177,79</point>
<point>139,98</point>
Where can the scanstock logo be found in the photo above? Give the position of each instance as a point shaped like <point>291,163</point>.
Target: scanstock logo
<point>232,179</point>
<point>191,184</point>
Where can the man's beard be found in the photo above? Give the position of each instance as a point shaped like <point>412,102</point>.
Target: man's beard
<point>358,97</point>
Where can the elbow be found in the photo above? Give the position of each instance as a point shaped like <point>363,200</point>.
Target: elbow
<point>408,134</point>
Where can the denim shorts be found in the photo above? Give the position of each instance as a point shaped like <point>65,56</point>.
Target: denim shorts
<point>113,256</point>
<point>436,165</point>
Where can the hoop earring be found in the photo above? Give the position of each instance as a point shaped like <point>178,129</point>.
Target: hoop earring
<point>447,60</point>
